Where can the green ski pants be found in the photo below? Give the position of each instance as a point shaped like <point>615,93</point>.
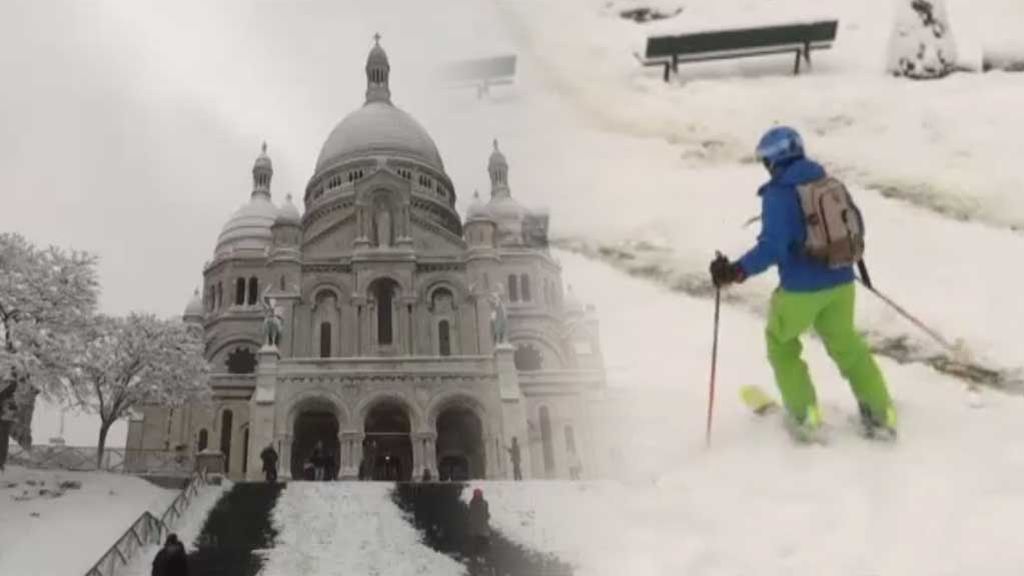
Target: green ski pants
<point>830,312</point>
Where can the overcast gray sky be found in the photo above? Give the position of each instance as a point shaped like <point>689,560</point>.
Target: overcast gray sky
<point>130,128</point>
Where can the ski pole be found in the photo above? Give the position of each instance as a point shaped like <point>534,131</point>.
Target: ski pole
<point>714,363</point>
<point>913,319</point>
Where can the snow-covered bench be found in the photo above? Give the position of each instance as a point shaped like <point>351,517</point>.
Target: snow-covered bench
<point>669,51</point>
<point>481,73</point>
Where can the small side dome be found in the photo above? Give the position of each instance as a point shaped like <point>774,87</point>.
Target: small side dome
<point>249,226</point>
<point>477,209</point>
<point>194,310</point>
<point>288,213</point>
<point>572,303</point>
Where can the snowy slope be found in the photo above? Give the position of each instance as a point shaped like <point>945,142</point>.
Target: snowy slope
<point>45,536</point>
<point>932,163</point>
<point>946,145</point>
<point>944,500</point>
<point>348,528</point>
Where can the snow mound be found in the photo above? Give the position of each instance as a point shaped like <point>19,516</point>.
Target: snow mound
<point>82,522</point>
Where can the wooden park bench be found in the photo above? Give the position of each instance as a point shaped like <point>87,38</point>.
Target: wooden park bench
<point>800,39</point>
<point>481,73</point>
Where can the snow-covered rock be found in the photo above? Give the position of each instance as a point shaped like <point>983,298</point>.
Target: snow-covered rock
<point>922,45</point>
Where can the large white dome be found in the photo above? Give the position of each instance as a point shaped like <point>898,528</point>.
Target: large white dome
<point>379,127</point>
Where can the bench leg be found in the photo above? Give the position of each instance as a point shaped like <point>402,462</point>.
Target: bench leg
<point>668,68</point>
<point>807,54</point>
<point>796,66</point>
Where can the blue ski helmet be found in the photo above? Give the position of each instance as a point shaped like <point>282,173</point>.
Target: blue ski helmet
<point>780,144</point>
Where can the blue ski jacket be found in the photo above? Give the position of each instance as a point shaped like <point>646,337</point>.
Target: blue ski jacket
<point>783,234</point>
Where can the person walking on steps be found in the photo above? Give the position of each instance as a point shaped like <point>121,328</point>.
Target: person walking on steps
<point>479,526</point>
<point>269,457</point>
<point>171,560</point>
<point>813,233</point>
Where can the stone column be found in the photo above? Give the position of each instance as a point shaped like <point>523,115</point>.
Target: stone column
<point>261,407</point>
<point>513,407</point>
<point>425,452</point>
<point>351,454</point>
<point>284,455</point>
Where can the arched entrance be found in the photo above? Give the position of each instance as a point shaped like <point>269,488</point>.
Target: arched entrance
<point>315,428</point>
<point>460,446</point>
<point>387,449</point>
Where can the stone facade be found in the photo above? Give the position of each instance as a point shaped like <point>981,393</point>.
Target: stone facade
<point>366,325</point>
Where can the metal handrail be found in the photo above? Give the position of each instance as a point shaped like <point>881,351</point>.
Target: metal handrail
<point>147,529</point>
<point>83,458</point>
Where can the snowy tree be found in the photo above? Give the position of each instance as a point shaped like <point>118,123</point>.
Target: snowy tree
<point>123,363</point>
<point>46,296</point>
<point>922,44</point>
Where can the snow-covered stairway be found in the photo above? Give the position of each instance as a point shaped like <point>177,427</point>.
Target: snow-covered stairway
<point>439,513</point>
<point>237,526</point>
<point>345,528</point>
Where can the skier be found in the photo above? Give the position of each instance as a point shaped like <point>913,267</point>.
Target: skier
<point>269,457</point>
<point>479,525</point>
<point>815,290</point>
<point>171,560</point>
<point>516,457</point>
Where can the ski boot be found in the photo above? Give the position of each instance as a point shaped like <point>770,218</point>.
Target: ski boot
<point>876,428</point>
<point>809,429</point>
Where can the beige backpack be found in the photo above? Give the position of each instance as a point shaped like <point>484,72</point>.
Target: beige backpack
<point>835,232</point>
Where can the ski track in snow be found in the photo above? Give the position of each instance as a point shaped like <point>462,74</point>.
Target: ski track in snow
<point>336,529</point>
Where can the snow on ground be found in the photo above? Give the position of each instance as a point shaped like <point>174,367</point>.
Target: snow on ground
<point>44,536</point>
<point>946,145</point>
<point>944,500</point>
<point>188,527</point>
<point>348,528</point>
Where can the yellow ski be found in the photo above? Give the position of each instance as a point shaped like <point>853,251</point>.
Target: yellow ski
<point>759,401</point>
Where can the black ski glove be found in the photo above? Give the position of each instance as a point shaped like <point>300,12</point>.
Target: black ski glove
<point>724,272</point>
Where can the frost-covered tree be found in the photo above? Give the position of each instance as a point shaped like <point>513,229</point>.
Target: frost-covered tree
<point>46,296</point>
<point>123,363</point>
<point>922,45</point>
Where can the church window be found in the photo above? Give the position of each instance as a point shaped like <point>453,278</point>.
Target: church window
<point>383,292</point>
<point>240,291</point>
<point>220,295</point>
<point>241,361</point>
<point>254,285</point>
<point>282,283</point>
<point>444,338</point>
<point>226,421</point>
<point>325,339</point>
<point>245,450</point>
<point>513,288</point>
<point>204,440</point>
<point>524,287</point>
<point>570,439</point>
<point>527,358</point>
<point>546,440</point>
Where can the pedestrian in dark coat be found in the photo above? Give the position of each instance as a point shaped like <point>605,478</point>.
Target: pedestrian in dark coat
<point>479,525</point>
<point>317,460</point>
<point>516,457</point>
<point>171,560</point>
<point>269,457</point>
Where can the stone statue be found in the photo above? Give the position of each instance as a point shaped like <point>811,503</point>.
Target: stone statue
<point>272,324</point>
<point>499,319</point>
